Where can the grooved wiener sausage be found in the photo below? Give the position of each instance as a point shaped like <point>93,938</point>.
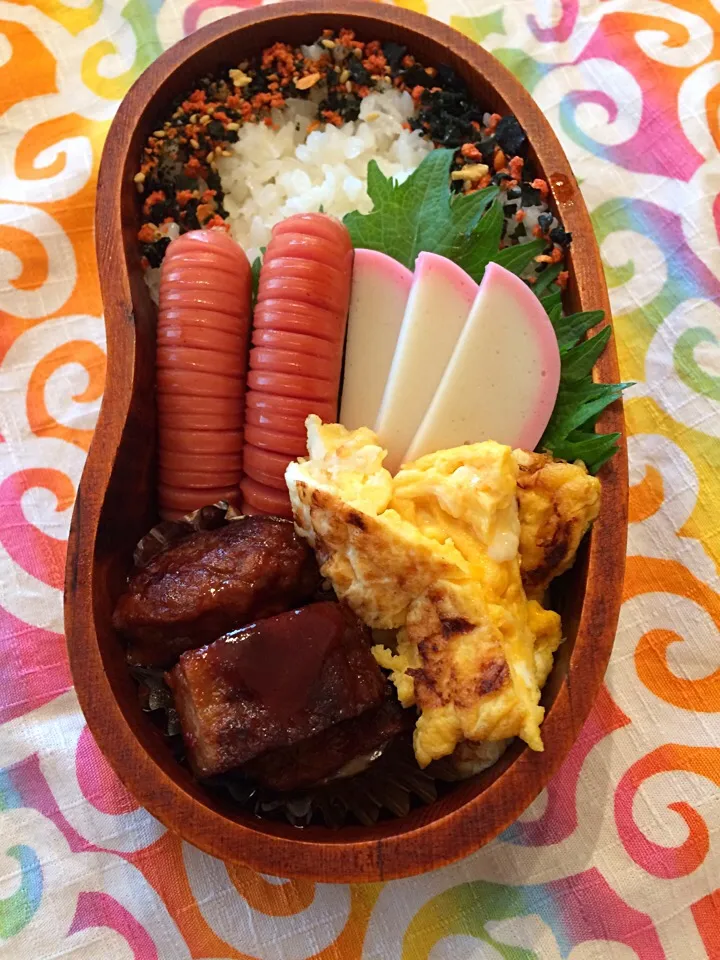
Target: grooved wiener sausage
<point>296,358</point>
<point>202,346</point>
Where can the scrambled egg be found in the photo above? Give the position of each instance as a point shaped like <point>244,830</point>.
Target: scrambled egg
<point>558,501</point>
<point>436,553</point>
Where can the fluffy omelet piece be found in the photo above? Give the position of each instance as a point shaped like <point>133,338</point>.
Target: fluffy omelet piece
<point>557,503</point>
<point>437,555</point>
<point>377,562</point>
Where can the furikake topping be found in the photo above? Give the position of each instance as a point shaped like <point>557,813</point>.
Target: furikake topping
<point>178,177</point>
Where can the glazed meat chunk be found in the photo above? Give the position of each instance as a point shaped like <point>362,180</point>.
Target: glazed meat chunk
<point>313,760</point>
<point>211,582</point>
<point>273,684</point>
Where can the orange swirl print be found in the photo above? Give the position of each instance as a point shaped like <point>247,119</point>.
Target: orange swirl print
<point>40,138</point>
<point>27,48</point>
<point>163,867</point>
<point>277,900</point>
<point>701,695</point>
<point>647,496</point>
<point>649,575</point>
<point>42,423</point>
<point>661,861</point>
<point>30,252</point>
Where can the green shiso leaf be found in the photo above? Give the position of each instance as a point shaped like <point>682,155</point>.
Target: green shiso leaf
<point>518,258</point>
<point>423,214</point>
<point>255,271</point>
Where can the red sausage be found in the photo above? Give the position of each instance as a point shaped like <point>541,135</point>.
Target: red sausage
<point>296,317</point>
<point>289,406</point>
<point>216,362</point>
<point>294,268</point>
<point>294,445</point>
<point>317,225</point>
<point>317,249</point>
<point>192,383</point>
<point>172,420</point>
<point>301,343</point>
<point>189,316</point>
<point>190,479</point>
<point>199,337</point>
<point>178,498</point>
<point>202,334</point>
<point>314,292</point>
<point>300,319</point>
<point>221,442</point>
<point>265,499</point>
<point>259,463</point>
<point>289,385</point>
<point>295,426</point>
<point>300,364</point>
<point>180,403</point>
<point>174,461</point>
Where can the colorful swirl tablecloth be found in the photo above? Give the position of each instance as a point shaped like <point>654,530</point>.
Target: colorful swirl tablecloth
<point>620,856</point>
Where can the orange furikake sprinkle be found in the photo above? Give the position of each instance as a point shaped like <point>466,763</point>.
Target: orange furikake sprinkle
<point>204,212</point>
<point>494,120</point>
<point>515,167</point>
<point>157,196</point>
<point>346,38</point>
<point>470,152</point>
<point>541,185</point>
<point>333,117</point>
<point>193,168</point>
<point>520,216</point>
<point>375,63</point>
<point>148,233</point>
<point>281,57</point>
<point>562,279</point>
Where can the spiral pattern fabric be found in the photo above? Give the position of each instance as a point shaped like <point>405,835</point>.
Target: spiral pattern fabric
<point>620,856</point>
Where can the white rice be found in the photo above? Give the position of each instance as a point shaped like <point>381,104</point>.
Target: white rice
<point>276,172</point>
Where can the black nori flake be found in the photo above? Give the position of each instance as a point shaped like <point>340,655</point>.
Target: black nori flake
<point>394,52</point>
<point>544,221</point>
<point>486,146</point>
<point>184,182</point>
<point>346,104</point>
<point>155,251</point>
<point>530,196</point>
<point>448,79</point>
<point>559,236</point>
<point>514,193</point>
<point>213,181</point>
<point>499,177</point>
<point>510,135</point>
<point>191,220</point>
<point>358,73</point>
<point>216,130</point>
<point>160,210</point>
<point>417,76</point>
